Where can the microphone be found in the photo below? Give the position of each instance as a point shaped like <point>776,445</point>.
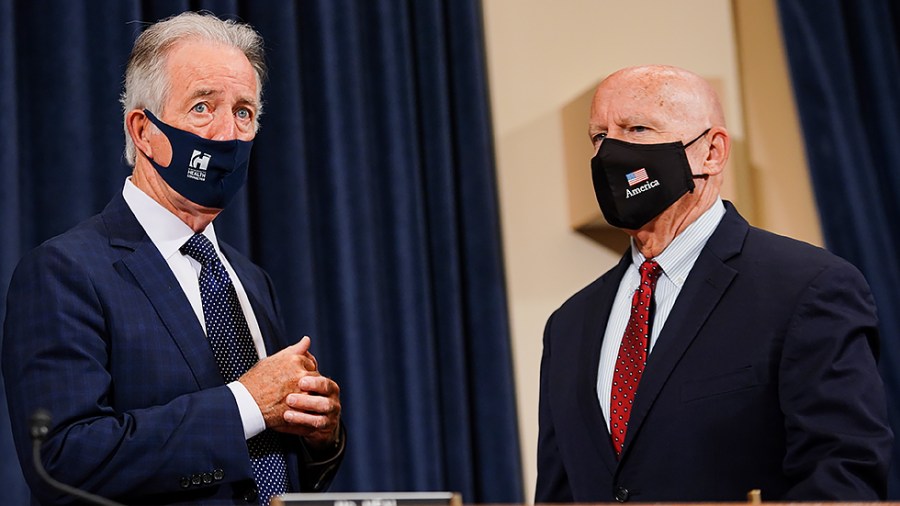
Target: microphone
<point>39,423</point>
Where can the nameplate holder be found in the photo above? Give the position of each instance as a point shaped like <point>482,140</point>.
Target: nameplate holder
<point>369,499</point>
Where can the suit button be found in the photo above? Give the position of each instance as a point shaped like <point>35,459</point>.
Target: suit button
<point>185,482</point>
<point>207,478</point>
<point>622,494</point>
<point>251,495</point>
<point>195,479</point>
<point>218,475</point>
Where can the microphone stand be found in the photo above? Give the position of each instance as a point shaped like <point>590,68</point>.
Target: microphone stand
<point>40,427</point>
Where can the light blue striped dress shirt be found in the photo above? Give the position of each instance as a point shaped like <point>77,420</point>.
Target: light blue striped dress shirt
<point>676,260</point>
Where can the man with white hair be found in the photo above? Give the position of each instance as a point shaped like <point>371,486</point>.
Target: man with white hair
<point>158,349</point>
<point>715,358</point>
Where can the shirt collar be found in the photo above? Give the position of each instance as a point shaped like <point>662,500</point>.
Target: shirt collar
<point>166,230</point>
<point>679,257</point>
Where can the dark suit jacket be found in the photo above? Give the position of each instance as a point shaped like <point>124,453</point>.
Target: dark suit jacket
<point>763,377</point>
<point>99,332</point>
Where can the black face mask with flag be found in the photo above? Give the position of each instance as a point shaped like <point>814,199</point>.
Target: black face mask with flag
<point>635,183</point>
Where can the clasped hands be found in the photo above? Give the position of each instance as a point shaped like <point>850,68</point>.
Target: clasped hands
<point>294,398</point>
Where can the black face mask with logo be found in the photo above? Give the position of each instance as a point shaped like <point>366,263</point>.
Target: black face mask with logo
<point>204,171</point>
<point>635,183</point>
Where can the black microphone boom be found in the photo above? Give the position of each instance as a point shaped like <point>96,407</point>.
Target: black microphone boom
<point>40,427</point>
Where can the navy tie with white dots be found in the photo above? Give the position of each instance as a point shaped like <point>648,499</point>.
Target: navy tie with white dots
<point>231,342</point>
<point>632,354</point>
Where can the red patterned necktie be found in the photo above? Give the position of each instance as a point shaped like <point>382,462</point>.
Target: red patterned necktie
<point>632,354</point>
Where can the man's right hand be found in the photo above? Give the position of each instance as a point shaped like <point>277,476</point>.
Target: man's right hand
<point>273,378</point>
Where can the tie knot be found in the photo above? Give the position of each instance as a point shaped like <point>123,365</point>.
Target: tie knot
<point>200,249</point>
<point>650,272</point>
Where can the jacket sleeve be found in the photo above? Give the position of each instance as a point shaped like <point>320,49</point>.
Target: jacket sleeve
<point>316,469</point>
<point>838,437</point>
<point>552,482</point>
<point>57,355</point>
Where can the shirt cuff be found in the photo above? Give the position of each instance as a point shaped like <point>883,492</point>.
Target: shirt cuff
<point>251,417</point>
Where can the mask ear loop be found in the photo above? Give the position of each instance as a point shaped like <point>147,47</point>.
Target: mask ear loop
<point>698,176</point>
<point>150,117</point>
<point>698,137</point>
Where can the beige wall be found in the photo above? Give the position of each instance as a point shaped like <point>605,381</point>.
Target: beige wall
<point>544,57</point>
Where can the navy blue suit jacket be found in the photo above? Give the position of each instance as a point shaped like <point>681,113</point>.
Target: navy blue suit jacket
<point>763,377</point>
<point>99,332</point>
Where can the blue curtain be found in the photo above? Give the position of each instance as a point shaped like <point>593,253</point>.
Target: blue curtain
<point>845,65</point>
<point>372,202</point>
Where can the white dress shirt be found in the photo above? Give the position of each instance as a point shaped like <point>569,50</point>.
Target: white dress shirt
<point>168,233</point>
<point>676,260</point>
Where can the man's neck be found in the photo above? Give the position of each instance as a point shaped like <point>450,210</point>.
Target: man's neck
<point>654,237</point>
<point>147,180</point>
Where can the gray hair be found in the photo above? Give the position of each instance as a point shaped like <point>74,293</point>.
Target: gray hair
<point>146,82</point>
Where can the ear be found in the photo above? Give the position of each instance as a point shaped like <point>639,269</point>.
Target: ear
<point>719,149</point>
<point>139,129</point>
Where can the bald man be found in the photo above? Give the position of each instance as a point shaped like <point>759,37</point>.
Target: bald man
<point>715,358</point>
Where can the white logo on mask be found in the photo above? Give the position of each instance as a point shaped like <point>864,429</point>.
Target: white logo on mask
<point>197,167</point>
<point>642,188</point>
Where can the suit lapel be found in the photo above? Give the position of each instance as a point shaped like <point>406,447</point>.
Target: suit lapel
<point>155,279</point>
<point>256,294</point>
<point>272,334</point>
<point>707,283</point>
<point>599,305</point>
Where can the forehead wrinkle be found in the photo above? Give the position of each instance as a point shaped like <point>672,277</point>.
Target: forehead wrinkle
<point>211,92</point>
<point>635,118</point>
<point>657,97</point>
<point>203,92</point>
<point>232,71</point>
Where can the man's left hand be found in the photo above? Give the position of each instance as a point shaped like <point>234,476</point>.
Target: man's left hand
<point>315,412</point>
